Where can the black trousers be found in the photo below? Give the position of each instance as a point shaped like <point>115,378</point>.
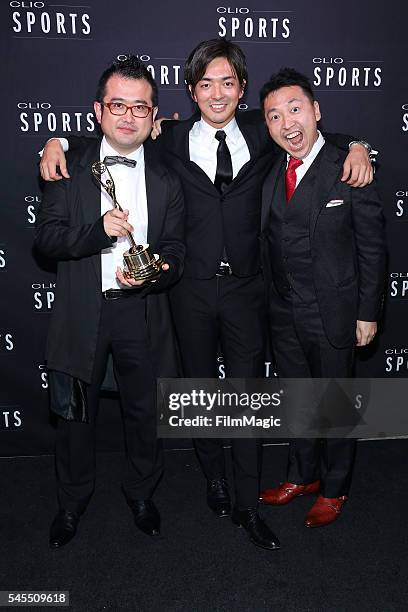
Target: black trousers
<point>123,331</point>
<point>229,313</point>
<point>302,350</point>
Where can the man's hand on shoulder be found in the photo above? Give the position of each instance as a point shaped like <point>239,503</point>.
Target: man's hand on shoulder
<point>156,129</point>
<point>357,168</point>
<point>365,332</point>
<point>52,157</point>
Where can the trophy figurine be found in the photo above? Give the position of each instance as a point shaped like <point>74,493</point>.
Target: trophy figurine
<point>139,264</point>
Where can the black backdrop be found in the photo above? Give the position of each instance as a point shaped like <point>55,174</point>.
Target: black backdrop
<point>354,52</point>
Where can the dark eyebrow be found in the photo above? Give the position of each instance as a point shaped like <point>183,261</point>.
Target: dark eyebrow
<point>134,101</point>
<point>224,78</point>
<point>288,102</point>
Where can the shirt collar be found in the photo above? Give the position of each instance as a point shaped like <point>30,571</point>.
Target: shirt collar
<point>107,149</point>
<point>208,131</point>
<point>310,157</point>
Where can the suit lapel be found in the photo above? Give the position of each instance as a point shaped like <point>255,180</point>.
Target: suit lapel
<point>269,188</point>
<point>90,193</point>
<point>157,197</point>
<point>177,145</point>
<point>89,189</point>
<point>251,137</point>
<point>328,166</point>
<point>177,138</point>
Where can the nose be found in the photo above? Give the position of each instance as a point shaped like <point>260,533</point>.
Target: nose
<point>217,91</point>
<point>287,121</point>
<point>128,113</point>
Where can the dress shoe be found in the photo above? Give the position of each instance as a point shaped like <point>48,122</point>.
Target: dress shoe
<point>146,515</point>
<point>287,491</point>
<point>218,498</point>
<point>256,528</point>
<point>324,511</point>
<point>63,528</point>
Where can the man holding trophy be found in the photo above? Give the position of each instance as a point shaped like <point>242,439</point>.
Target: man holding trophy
<point>119,198</point>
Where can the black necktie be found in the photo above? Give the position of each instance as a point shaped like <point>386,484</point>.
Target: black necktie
<point>223,175</point>
<point>111,160</point>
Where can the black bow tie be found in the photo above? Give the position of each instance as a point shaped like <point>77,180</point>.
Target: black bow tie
<point>111,160</point>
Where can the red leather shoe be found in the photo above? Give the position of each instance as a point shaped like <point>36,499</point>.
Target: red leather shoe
<point>286,492</point>
<point>325,510</point>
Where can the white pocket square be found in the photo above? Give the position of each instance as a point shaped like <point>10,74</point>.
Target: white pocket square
<point>334,203</point>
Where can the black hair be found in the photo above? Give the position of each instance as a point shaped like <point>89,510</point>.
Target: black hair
<point>128,67</point>
<point>285,78</point>
<point>206,52</point>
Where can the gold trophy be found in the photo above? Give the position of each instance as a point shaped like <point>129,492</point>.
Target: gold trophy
<point>139,264</point>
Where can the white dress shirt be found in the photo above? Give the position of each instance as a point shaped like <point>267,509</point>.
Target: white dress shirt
<point>308,160</point>
<point>203,147</point>
<point>130,188</point>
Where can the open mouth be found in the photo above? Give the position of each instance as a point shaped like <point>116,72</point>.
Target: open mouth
<point>295,140</point>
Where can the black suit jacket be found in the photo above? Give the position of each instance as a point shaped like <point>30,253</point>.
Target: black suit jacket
<point>214,220</point>
<point>347,246</point>
<point>70,229</point>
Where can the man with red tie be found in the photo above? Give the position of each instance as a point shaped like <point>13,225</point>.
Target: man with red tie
<point>324,259</point>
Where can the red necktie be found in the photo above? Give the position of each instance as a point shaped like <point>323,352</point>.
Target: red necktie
<point>290,176</point>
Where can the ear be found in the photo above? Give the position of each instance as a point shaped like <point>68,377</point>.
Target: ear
<point>154,112</point>
<point>243,85</point>
<point>317,112</point>
<point>192,94</point>
<point>98,111</point>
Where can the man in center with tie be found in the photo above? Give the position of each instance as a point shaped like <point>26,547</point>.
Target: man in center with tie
<point>219,301</point>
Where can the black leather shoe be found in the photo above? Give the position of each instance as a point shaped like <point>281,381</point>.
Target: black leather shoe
<point>256,528</point>
<point>63,528</point>
<point>146,515</point>
<point>218,498</point>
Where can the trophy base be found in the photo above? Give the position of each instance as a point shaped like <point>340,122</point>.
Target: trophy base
<point>140,265</point>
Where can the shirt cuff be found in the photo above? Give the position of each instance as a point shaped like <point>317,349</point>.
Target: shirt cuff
<point>64,144</point>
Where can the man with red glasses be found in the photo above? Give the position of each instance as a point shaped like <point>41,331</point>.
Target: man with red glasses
<point>94,314</point>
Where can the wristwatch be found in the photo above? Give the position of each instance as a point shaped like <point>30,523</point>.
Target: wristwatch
<point>372,154</point>
<point>363,143</point>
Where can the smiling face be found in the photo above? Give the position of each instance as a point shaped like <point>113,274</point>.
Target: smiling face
<point>291,118</point>
<point>125,133</point>
<point>218,93</point>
